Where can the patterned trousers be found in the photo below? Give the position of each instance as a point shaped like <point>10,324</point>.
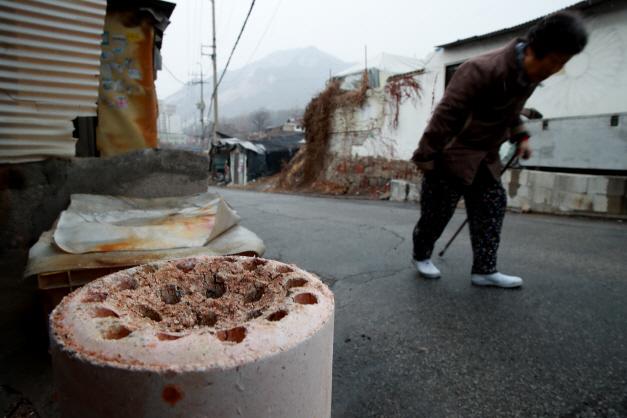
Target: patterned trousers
<point>485,204</point>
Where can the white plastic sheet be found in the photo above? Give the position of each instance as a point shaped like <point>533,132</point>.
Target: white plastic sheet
<point>106,223</point>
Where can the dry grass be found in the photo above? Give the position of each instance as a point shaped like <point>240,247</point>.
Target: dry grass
<point>317,126</point>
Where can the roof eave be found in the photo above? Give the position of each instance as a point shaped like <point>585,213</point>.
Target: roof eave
<point>581,6</point>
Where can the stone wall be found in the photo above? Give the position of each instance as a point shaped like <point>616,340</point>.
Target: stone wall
<point>369,171</point>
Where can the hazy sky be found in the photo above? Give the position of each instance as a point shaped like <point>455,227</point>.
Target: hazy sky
<point>338,27</point>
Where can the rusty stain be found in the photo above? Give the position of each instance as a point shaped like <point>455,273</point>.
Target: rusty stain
<point>116,246</point>
<point>185,219</point>
<point>146,104</point>
<point>172,394</point>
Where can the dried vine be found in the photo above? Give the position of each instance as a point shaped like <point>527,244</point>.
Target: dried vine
<point>317,122</point>
<point>399,90</point>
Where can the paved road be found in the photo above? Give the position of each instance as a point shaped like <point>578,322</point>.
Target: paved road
<point>412,347</point>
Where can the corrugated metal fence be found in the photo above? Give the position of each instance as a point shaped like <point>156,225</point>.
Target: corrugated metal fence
<point>49,67</point>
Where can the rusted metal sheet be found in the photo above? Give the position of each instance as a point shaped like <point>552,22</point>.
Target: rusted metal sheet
<point>49,66</point>
<point>107,223</point>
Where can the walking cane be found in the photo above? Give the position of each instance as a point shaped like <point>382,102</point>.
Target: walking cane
<point>511,160</point>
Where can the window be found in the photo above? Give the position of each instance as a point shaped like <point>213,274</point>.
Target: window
<point>450,70</point>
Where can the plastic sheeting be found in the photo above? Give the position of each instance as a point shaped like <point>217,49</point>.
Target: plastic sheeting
<point>129,227</point>
<point>46,257</point>
<point>106,223</point>
<point>278,151</point>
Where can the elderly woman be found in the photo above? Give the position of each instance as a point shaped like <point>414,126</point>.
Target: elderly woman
<point>459,150</point>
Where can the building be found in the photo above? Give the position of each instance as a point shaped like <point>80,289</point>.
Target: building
<point>583,131</point>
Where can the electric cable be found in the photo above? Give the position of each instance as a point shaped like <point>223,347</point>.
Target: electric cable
<point>258,43</point>
<point>168,70</point>
<point>231,56</point>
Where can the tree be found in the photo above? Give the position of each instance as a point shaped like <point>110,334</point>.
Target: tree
<point>259,119</point>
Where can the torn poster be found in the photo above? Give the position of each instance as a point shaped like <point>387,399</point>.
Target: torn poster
<point>134,73</point>
<point>107,84</point>
<point>105,70</point>
<point>119,40</point>
<point>117,67</point>
<point>107,55</point>
<point>120,86</point>
<point>121,102</point>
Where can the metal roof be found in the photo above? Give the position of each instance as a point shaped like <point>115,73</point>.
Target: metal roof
<point>582,6</point>
<point>243,143</point>
<point>49,66</point>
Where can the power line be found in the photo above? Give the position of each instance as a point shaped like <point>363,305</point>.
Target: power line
<point>231,56</point>
<point>258,43</point>
<point>168,70</point>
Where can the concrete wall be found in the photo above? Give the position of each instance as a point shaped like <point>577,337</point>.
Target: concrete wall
<point>571,193</point>
<point>579,143</point>
<point>547,192</point>
<point>32,195</point>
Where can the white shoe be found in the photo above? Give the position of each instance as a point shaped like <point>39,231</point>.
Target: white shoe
<point>496,279</point>
<point>426,268</point>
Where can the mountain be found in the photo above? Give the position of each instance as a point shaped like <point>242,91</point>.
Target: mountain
<point>282,80</point>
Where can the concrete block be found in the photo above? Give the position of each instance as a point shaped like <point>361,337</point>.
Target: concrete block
<point>599,203</point>
<point>572,183</point>
<point>515,176</point>
<point>518,176</point>
<point>518,191</point>
<point>541,179</point>
<point>398,190</point>
<point>609,204</point>
<point>597,185</point>
<point>413,192</point>
<point>617,186</point>
<point>541,195</point>
<point>517,202</point>
<point>567,201</point>
<point>161,341</point>
<point>616,205</point>
<point>506,178</point>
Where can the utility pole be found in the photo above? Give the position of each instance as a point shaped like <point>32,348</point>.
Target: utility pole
<point>201,106</point>
<point>215,73</point>
<point>214,58</point>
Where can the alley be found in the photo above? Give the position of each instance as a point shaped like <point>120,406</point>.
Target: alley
<point>409,347</point>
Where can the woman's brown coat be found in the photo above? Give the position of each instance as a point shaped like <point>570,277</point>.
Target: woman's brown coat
<point>480,110</point>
